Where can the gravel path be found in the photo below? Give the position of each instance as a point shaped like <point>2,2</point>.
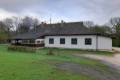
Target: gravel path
<point>96,74</point>
<point>113,61</point>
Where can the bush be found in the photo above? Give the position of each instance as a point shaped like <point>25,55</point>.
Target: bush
<point>22,49</point>
<point>50,52</point>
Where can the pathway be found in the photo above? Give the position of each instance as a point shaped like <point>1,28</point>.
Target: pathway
<point>113,61</point>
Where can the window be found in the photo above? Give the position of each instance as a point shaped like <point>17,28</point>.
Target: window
<point>51,41</point>
<point>25,41</point>
<point>88,41</point>
<point>19,41</point>
<point>38,42</point>
<point>74,41</point>
<point>32,41</point>
<point>62,40</point>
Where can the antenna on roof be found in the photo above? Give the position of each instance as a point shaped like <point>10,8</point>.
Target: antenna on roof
<point>50,20</point>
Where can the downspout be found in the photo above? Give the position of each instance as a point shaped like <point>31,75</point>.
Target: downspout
<point>97,42</point>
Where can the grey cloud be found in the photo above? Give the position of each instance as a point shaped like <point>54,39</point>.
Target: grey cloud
<point>97,10</point>
<point>17,5</point>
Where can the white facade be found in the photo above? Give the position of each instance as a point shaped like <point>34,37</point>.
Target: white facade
<point>104,43</point>
<point>98,42</point>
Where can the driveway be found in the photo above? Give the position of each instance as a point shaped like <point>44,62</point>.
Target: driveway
<point>113,61</point>
<point>96,74</point>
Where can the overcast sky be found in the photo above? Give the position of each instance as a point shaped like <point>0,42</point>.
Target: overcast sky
<point>99,11</point>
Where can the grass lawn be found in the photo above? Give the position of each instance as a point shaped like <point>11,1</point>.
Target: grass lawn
<point>39,66</point>
<point>77,51</point>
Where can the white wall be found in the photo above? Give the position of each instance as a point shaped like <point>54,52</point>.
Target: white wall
<point>104,43</point>
<point>80,44</point>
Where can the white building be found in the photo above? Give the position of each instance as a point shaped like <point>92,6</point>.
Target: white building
<point>94,42</point>
<point>65,35</point>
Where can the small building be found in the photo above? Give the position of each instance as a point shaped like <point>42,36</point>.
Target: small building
<point>72,35</point>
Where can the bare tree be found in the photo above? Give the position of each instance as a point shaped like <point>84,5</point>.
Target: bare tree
<point>27,24</point>
<point>88,23</point>
<point>115,22</point>
<point>16,22</point>
<point>8,23</point>
<point>35,24</point>
<point>4,32</point>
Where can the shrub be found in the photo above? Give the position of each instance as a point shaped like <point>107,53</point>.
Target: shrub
<point>50,52</point>
<point>22,49</point>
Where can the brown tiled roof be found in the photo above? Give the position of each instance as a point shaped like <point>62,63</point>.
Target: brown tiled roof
<point>73,28</point>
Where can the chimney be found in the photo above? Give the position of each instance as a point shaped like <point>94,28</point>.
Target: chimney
<point>43,24</point>
<point>62,23</point>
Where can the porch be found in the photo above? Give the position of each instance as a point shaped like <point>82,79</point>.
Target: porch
<point>28,42</point>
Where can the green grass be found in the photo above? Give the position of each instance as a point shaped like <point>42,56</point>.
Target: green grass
<point>78,51</point>
<point>39,66</point>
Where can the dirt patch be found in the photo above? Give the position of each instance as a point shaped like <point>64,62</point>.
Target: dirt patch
<point>88,71</point>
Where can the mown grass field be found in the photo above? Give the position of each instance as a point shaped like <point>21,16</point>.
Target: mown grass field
<point>39,66</point>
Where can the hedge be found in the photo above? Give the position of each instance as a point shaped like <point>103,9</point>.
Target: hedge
<point>22,49</point>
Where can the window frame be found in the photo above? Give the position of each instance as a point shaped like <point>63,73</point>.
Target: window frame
<point>74,42</point>
<point>62,40</point>
<point>88,41</point>
<point>51,40</point>
<point>25,41</point>
<point>32,41</point>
